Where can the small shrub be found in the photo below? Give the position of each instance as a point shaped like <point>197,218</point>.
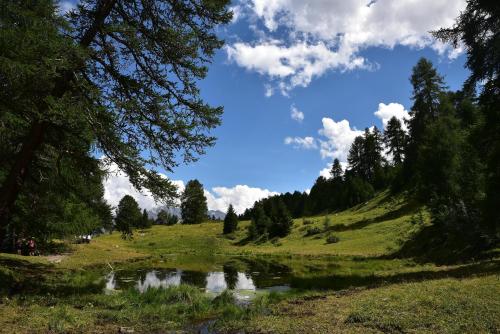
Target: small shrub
<point>313,231</point>
<point>327,223</point>
<point>332,239</point>
<point>224,299</point>
<point>307,222</point>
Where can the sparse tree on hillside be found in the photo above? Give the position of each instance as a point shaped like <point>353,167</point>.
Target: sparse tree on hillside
<point>145,222</point>
<point>395,140</point>
<point>282,222</point>
<point>428,86</point>
<point>128,215</point>
<point>336,172</point>
<point>193,203</point>
<point>230,221</point>
<point>260,223</point>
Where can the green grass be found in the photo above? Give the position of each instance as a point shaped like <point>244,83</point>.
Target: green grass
<point>153,311</point>
<point>435,306</point>
<point>375,291</point>
<point>373,229</point>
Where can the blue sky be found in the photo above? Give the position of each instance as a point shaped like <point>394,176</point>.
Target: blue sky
<point>331,61</point>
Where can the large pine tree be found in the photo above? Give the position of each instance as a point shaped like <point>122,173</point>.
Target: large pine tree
<point>230,221</point>
<point>128,216</point>
<point>395,140</point>
<point>125,70</point>
<point>428,86</point>
<point>336,172</point>
<point>193,203</point>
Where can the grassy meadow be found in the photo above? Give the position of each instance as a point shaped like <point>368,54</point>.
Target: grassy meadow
<point>368,287</point>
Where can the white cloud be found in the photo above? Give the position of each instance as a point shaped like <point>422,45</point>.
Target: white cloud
<point>117,185</point>
<point>296,114</point>
<point>293,65</point>
<point>339,137</point>
<point>386,111</point>
<point>305,39</point>
<point>269,90</point>
<point>240,196</point>
<point>298,142</point>
<point>325,172</point>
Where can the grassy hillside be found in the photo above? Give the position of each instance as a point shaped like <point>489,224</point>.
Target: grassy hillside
<point>378,227</point>
<point>372,290</point>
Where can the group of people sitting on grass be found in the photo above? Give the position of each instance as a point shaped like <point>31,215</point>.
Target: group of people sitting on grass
<point>26,247</point>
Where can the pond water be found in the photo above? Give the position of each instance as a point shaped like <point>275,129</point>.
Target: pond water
<point>242,284</point>
<point>245,276</point>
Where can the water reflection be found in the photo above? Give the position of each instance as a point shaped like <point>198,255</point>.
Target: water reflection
<point>212,282</point>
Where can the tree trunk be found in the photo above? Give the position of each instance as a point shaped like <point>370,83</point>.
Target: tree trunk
<point>17,175</point>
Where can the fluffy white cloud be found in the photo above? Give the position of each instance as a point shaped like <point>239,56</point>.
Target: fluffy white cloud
<point>240,196</point>
<point>329,34</point>
<point>339,137</point>
<point>298,142</point>
<point>386,111</point>
<point>117,185</point>
<point>296,114</point>
<point>293,65</point>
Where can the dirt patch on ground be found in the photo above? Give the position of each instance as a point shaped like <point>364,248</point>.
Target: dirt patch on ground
<point>56,258</point>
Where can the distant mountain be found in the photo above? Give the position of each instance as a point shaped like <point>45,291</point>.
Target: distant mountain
<point>177,212</point>
<point>217,214</point>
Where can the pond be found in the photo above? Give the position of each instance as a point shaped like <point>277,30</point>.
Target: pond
<point>245,276</point>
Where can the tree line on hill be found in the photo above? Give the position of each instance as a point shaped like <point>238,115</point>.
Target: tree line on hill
<point>193,208</point>
<point>449,159</point>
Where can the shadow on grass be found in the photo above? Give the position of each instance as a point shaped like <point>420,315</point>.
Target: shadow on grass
<point>25,277</point>
<point>406,209</point>
<point>440,246</point>
<point>341,282</point>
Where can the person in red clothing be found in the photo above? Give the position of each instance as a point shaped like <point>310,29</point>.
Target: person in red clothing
<point>31,247</point>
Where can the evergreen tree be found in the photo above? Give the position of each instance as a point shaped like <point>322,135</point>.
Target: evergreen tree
<point>318,200</point>
<point>372,156</point>
<point>336,172</point>
<point>145,222</point>
<point>365,156</point>
<point>193,203</point>
<point>428,86</point>
<point>477,28</point>
<point>260,223</point>
<point>355,157</point>
<point>282,223</point>
<point>126,71</point>
<point>230,221</point>
<point>128,215</point>
<point>165,218</point>
<point>395,140</point>
<point>439,167</point>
